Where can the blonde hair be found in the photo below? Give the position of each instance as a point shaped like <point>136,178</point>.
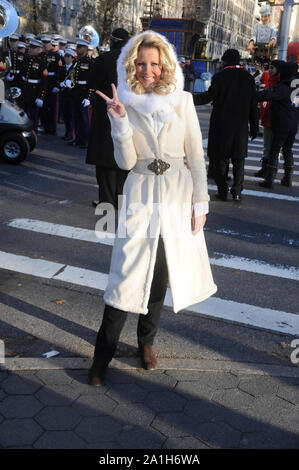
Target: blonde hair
<point>167,82</point>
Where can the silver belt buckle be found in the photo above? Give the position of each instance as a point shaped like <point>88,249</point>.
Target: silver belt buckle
<point>158,166</point>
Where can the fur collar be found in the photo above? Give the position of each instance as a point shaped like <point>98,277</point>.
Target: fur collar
<point>149,103</point>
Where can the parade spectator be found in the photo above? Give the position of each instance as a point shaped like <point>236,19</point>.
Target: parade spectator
<point>100,151</point>
<point>154,125</point>
<point>189,74</point>
<point>232,92</point>
<point>284,115</point>
<point>269,79</point>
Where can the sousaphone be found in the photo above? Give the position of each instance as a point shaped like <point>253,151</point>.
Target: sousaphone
<point>9,21</point>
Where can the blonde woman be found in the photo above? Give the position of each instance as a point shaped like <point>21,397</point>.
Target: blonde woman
<point>160,236</point>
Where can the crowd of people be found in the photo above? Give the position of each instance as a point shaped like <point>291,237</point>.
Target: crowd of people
<point>58,80</point>
<point>54,77</point>
<point>143,126</point>
<point>235,93</point>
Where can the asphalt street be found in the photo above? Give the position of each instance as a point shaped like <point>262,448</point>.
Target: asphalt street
<point>47,230</point>
<point>227,375</point>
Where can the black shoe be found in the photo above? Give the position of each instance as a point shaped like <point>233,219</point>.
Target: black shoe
<point>261,173</point>
<point>286,181</point>
<point>237,197</point>
<point>221,196</point>
<point>73,143</point>
<point>96,374</point>
<point>266,184</point>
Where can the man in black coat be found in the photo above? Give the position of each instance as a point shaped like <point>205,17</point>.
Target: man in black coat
<point>100,151</point>
<point>284,118</point>
<point>234,105</point>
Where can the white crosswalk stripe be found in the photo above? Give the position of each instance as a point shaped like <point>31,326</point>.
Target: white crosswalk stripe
<point>106,238</point>
<point>255,153</point>
<point>214,307</point>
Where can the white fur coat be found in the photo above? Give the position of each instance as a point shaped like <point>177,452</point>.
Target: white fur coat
<point>164,127</point>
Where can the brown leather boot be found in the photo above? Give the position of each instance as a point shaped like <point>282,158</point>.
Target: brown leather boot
<point>96,374</point>
<point>148,357</point>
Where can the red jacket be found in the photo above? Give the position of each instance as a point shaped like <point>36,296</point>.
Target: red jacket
<point>269,82</point>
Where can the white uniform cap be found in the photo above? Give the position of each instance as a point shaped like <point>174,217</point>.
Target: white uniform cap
<point>71,46</point>
<point>54,42</point>
<point>21,44</point>
<point>36,42</point>
<point>83,42</point>
<point>69,52</point>
<point>265,10</point>
<point>62,41</point>
<point>14,36</point>
<point>45,38</point>
<point>29,36</point>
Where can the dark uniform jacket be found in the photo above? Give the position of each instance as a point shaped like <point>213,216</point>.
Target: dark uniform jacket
<point>83,69</point>
<point>233,94</point>
<point>100,146</point>
<point>16,59</point>
<point>34,78</point>
<point>64,74</point>
<point>284,115</point>
<point>53,64</point>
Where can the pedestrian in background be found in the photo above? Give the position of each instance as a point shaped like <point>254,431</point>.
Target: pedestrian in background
<point>100,151</point>
<point>65,95</point>
<point>268,79</point>
<point>189,74</point>
<point>284,116</point>
<point>34,78</point>
<point>49,113</point>
<point>233,94</point>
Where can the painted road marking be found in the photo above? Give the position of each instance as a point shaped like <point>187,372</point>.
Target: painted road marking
<point>214,307</point>
<point>105,238</point>
<point>251,192</point>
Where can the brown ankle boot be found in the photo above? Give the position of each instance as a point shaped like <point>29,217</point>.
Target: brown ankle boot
<point>148,357</point>
<point>96,374</point>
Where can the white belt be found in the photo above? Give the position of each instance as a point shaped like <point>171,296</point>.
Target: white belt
<point>30,80</point>
<point>158,166</point>
<point>51,73</point>
<point>81,82</point>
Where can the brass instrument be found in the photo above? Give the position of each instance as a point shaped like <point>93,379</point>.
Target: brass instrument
<point>9,22</point>
<point>72,74</point>
<point>89,34</point>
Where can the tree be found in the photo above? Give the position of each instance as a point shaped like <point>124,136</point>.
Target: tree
<point>101,17</point>
<point>36,14</point>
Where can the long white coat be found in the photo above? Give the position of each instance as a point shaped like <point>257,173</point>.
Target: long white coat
<point>156,205</point>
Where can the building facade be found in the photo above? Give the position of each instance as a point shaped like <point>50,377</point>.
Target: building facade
<point>223,24</point>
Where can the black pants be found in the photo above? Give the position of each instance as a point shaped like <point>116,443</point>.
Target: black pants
<point>220,170</point>
<point>114,319</point>
<point>66,108</point>
<point>284,140</point>
<point>110,183</point>
<point>49,112</point>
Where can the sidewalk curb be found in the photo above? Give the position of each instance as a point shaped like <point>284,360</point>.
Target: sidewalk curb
<point>197,365</point>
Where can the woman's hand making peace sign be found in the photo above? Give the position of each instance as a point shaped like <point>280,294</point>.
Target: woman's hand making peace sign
<point>114,106</point>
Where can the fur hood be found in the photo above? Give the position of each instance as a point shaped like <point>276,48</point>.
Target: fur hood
<point>149,103</point>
